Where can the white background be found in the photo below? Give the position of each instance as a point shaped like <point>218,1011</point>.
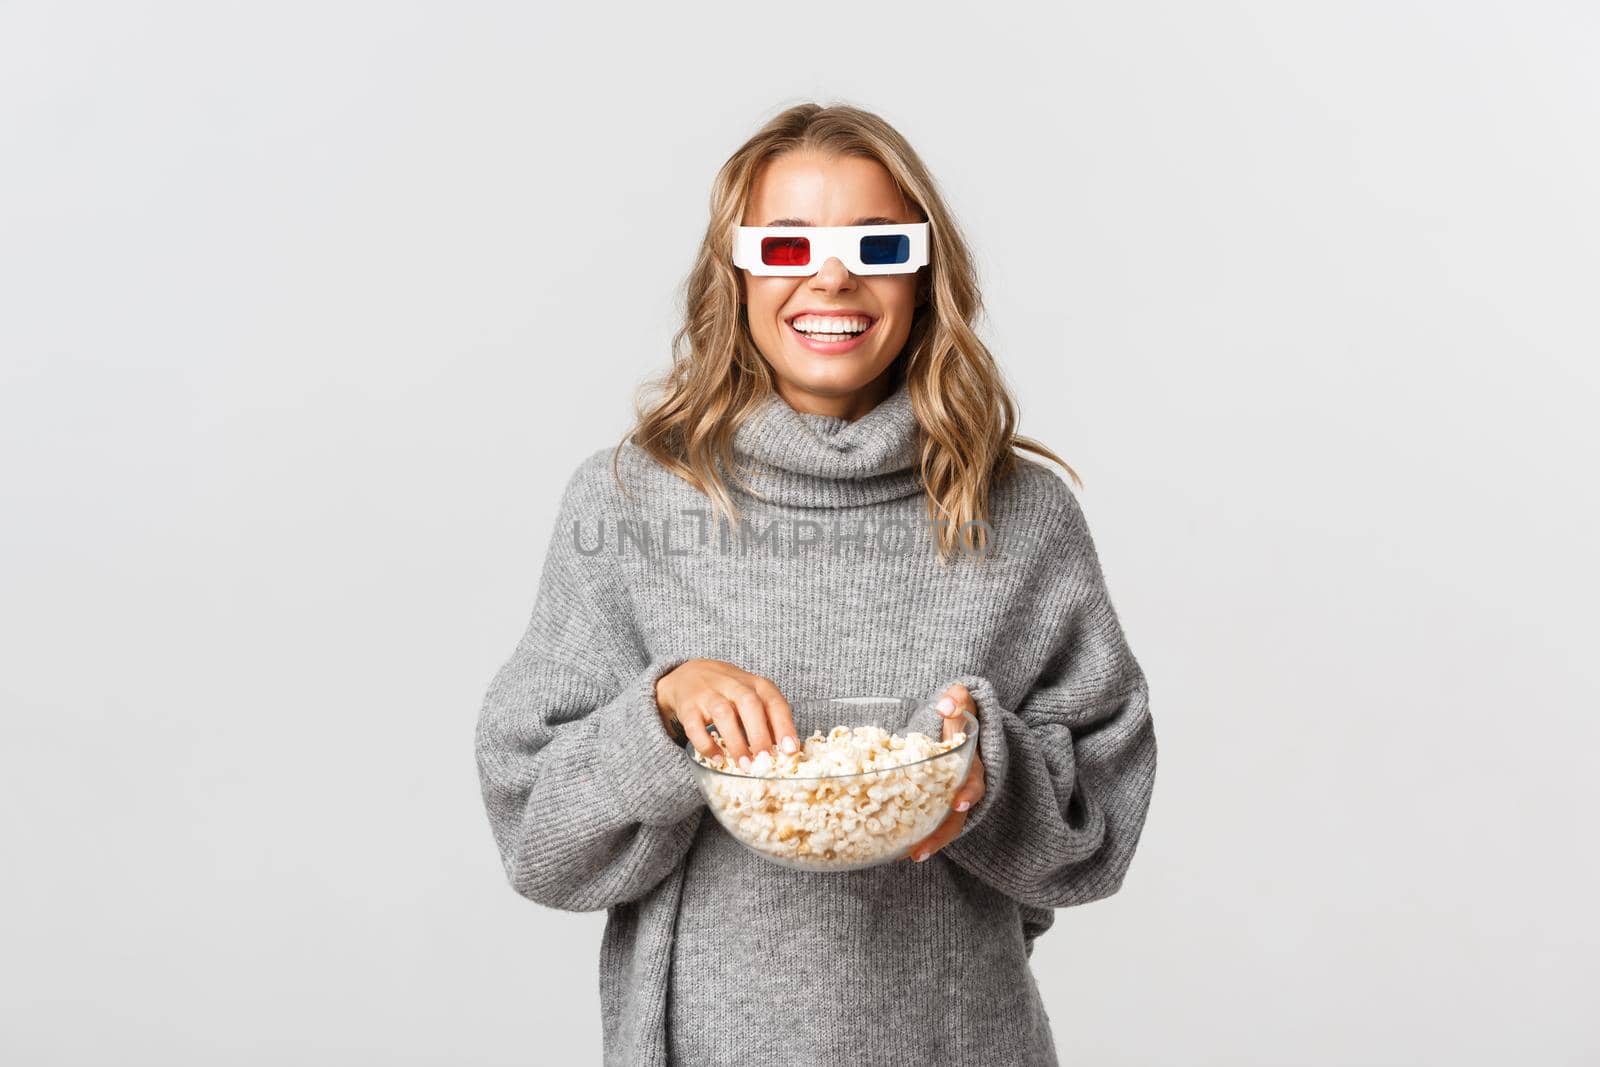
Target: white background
<point>308,310</point>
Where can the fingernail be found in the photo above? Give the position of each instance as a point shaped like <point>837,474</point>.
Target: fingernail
<point>963,805</point>
<point>946,705</point>
<point>788,745</point>
<point>744,762</point>
<point>919,857</point>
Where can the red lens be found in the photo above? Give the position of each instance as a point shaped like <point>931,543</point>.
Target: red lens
<point>786,251</point>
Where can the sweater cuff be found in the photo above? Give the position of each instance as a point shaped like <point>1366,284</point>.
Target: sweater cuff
<point>992,748</point>
<point>650,770</point>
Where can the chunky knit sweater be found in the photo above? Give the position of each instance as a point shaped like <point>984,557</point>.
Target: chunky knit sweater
<point>832,585</point>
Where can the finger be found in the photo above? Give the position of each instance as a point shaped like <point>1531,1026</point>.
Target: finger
<point>726,717</point>
<point>966,796</point>
<point>778,713</point>
<point>938,838</point>
<point>972,789</point>
<point>947,714</point>
<point>956,701</point>
<point>918,847</point>
<point>961,699</point>
<point>753,716</point>
<point>695,727</point>
<point>943,835</point>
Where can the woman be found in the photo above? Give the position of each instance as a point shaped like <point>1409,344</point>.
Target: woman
<point>871,530</point>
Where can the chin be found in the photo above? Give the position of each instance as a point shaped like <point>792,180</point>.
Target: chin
<point>833,377</point>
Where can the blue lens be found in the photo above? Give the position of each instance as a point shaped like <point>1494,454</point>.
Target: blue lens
<point>885,248</point>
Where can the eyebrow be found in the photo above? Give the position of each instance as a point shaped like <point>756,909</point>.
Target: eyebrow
<point>874,220</point>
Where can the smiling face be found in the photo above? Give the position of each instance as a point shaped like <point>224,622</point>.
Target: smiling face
<point>846,377</point>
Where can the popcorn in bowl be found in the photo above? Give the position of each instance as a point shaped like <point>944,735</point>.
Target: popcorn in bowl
<point>851,798</point>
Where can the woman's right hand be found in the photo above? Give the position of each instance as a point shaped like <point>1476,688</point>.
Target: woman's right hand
<point>751,715</point>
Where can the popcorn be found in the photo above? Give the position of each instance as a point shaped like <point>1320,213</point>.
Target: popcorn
<point>794,808</point>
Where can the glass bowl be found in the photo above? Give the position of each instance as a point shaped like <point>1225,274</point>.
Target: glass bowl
<point>843,821</point>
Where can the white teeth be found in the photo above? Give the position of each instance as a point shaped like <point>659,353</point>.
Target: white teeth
<point>831,325</point>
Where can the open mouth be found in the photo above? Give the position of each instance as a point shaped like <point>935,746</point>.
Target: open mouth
<point>815,331</point>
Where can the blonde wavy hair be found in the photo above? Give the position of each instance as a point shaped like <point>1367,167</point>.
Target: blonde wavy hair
<point>719,378</point>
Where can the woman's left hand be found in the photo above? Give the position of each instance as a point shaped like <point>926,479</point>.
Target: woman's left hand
<point>956,700</point>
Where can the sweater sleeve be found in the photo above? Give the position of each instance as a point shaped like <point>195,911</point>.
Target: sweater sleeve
<point>1070,767</point>
<point>591,803</point>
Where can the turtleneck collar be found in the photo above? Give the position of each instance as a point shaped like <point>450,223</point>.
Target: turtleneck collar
<point>825,461</point>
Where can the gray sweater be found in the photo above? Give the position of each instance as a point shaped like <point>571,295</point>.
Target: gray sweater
<point>833,586</point>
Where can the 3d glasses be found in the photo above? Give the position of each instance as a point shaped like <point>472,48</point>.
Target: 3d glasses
<point>796,251</point>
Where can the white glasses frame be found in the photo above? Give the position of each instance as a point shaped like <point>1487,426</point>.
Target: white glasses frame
<point>840,242</point>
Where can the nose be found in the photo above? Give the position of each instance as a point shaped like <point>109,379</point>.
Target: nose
<point>832,276</point>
